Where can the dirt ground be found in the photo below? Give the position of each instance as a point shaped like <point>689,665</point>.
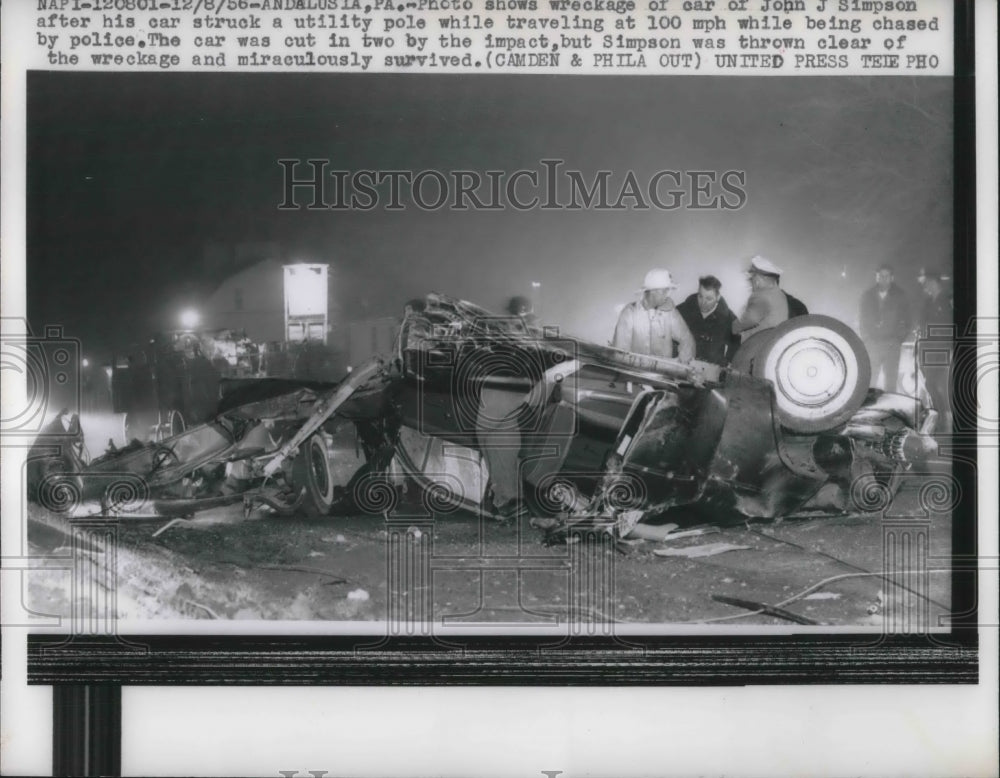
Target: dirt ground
<point>458,569</point>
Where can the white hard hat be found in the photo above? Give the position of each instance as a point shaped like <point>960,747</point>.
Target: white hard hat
<point>761,264</point>
<point>658,278</point>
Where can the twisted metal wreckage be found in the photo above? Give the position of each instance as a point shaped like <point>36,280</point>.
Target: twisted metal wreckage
<point>605,438</point>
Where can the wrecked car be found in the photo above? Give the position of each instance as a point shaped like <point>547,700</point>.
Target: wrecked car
<point>172,381</point>
<point>599,434</point>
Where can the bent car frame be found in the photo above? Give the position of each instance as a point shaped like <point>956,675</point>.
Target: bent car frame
<point>600,437</point>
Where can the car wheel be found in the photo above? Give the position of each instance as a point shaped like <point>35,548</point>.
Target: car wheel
<point>175,423</point>
<point>312,472</point>
<point>820,371</point>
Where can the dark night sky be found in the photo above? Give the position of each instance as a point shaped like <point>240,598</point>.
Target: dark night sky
<point>131,175</point>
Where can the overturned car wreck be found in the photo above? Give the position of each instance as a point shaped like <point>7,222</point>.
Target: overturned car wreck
<point>600,437</point>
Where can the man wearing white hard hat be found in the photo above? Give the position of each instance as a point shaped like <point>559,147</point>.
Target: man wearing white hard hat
<point>768,305</point>
<point>652,324</point>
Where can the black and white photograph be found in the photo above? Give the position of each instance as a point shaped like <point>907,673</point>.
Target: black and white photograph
<point>489,411</point>
<point>437,353</point>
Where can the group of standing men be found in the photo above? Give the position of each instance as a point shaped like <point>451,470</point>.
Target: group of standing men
<point>704,327</point>
<point>886,321</point>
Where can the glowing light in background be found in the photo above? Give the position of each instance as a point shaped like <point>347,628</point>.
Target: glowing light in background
<point>306,305</point>
<point>189,318</point>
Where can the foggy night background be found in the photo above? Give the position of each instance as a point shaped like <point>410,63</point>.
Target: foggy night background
<point>131,176</point>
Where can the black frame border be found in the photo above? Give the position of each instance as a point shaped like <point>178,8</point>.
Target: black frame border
<point>731,660</point>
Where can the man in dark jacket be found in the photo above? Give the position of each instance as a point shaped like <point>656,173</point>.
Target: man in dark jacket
<point>796,307</point>
<point>885,323</point>
<point>934,344</point>
<point>711,322</point>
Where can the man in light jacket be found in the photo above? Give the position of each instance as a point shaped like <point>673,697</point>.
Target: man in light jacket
<point>768,305</point>
<point>652,324</point>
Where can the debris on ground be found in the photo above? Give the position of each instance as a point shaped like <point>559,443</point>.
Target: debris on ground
<point>692,552</point>
<point>197,605</point>
<point>650,532</point>
<point>171,523</point>
<point>690,533</point>
<point>628,521</point>
<point>768,610</point>
<point>879,603</point>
